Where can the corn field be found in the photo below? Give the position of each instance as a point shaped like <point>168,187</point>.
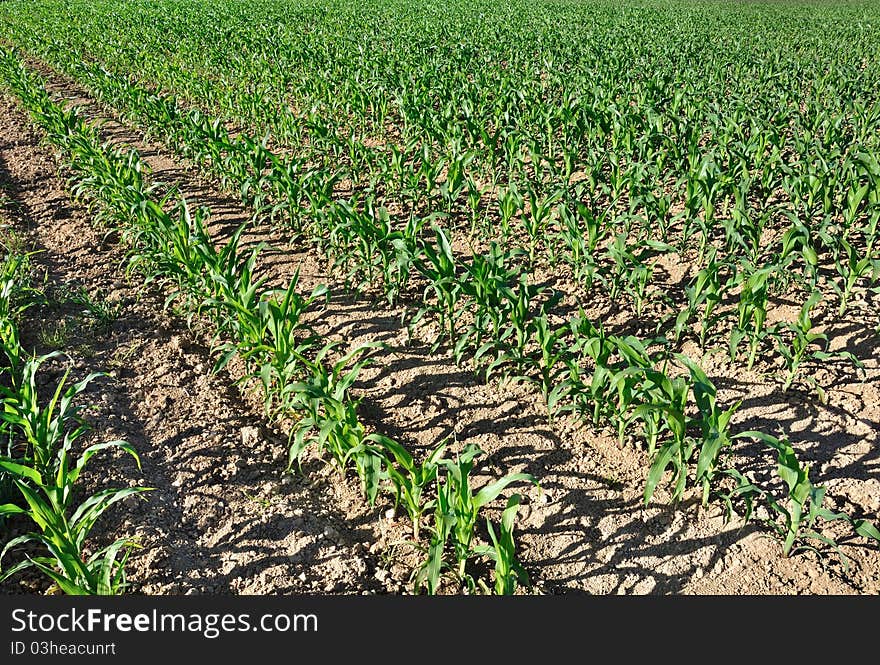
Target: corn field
<point>651,226</point>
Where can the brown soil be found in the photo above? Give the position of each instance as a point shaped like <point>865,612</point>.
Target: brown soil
<point>223,519</point>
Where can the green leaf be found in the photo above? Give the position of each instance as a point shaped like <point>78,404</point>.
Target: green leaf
<point>664,458</point>
<point>21,471</point>
<point>11,509</point>
<point>866,529</point>
<point>492,490</point>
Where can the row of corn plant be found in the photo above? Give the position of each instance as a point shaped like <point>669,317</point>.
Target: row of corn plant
<point>43,460</point>
<point>721,159</point>
<point>629,390</point>
<point>624,267</point>
<point>264,327</point>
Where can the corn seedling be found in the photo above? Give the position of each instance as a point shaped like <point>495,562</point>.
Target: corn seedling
<point>64,525</point>
<point>851,266</point>
<point>796,349</point>
<point>409,478</point>
<point>798,514</point>
<point>751,313</point>
<point>508,570</point>
<point>457,510</point>
<point>705,292</point>
<point>440,268</point>
<point>714,426</point>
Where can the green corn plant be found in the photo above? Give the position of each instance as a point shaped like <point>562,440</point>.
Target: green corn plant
<point>653,389</point>
<point>714,426</point>
<point>16,368</point>
<point>519,301</point>
<point>287,340</point>
<point>173,248</point>
<point>43,429</point>
<point>657,207</point>
<point>429,171</point>
<point>704,182</point>
<point>704,186</point>
<point>869,168</point>
<point>578,254</point>
<point>464,503</point>
<point>340,243</point>
<point>439,267</point>
<point>64,526</point>
<point>751,312</point>
<point>810,187</point>
<point>851,266</point>
<point>596,225</point>
<point>795,347</point>
<point>474,198</point>
<point>663,407</point>
<point>510,202</point>
<point>329,417</point>
<point>17,294</point>
<point>487,281</point>
<point>551,362</point>
<point>706,291</point>
<point>409,478</point>
<point>746,227</point>
<point>797,242</point>
<point>287,337</point>
<point>428,574</point>
<point>411,188</point>
<point>631,270</point>
<point>536,221</point>
<point>622,258</point>
<point>804,505</point>
<point>353,240</point>
<point>669,402</point>
<point>266,329</point>
<point>399,252</point>
<point>393,166</point>
<point>231,296</point>
<point>592,393</point>
<point>40,469</point>
<point>508,570</point>
<point>802,338</point>
<point>370,461</point>
<point>456,179</point>
<point>625,378</point>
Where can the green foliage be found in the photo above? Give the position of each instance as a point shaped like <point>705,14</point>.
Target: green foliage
<point>795,524</point>
<point>456,510</point>
<point>39,462</point>
<point>386,133</point>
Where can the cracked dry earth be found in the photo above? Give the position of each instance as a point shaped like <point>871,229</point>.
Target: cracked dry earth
<point>223,518</point>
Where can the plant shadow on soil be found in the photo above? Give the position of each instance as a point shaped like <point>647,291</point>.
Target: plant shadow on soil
<point>623,556</point>
<point>809,424</point>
